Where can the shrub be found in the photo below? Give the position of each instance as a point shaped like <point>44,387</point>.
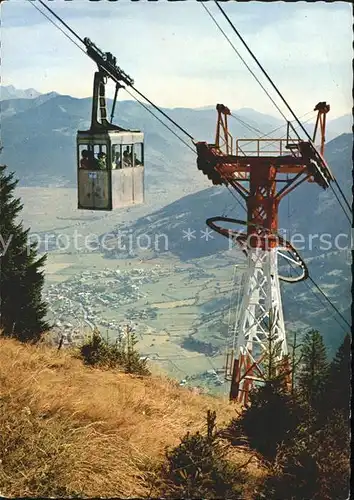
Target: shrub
<point>314,370</point>
<point>314,465</point>
<point>99,352</point>
<point>21,281</point>
<point>197,468</point>
<point>271,419</point>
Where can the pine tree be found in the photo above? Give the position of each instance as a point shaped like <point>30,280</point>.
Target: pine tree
<point>22,310</point>
<point>276,367</point>
<point>122,354</point>
<point>198,467</point>
<point>314,464</point>
<point>314,369</point>
<point>271,418</point>
<point>338,386</point>
<point>272,361</point>
<point>274,413</point>
<point>294,358</point>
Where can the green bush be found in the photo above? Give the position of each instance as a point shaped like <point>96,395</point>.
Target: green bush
<point>197,468</point>
<point>122,354</point>
<point>23,311</point>
<point>313,370</point>
<point>315,464</point>
<point>270,420</point>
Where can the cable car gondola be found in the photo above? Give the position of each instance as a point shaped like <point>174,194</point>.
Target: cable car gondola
<point>110,159</point>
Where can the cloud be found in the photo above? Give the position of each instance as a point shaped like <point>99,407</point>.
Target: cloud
<point>178,57</point>
<point>22,13</point>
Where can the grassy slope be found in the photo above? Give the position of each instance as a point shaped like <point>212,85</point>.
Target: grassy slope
<point>67,429</point>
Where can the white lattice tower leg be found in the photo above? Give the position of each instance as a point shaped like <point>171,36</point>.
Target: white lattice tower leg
<point>261,315</point>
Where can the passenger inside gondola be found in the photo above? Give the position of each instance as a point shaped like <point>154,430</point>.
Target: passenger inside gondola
<point>127,160</point>
<point>85,160</point>
<point>136,161</point>
<point>101,161</point>
<point>117,162</point>
<point>89,162</point>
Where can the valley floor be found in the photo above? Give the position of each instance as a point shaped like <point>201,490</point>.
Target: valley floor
<point>170,302</point>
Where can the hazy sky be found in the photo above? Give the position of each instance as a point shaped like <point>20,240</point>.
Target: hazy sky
<point>179,58</point>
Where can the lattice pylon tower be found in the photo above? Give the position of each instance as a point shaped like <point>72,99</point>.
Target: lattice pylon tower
<point>261,317</point>
<point>262,171</point>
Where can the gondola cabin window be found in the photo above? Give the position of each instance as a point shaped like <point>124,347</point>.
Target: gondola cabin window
<point>110,169</point>
<point>93,157</point>
<point>93,177</point>
<point>127,155</point>
<point>139,155</point>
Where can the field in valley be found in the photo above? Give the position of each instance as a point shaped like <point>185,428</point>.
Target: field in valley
<point>171,304</point>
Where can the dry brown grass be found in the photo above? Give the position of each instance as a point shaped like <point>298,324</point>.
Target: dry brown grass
<point>66,429</point>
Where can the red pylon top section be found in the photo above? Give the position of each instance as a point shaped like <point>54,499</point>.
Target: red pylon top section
<point>256,167</point>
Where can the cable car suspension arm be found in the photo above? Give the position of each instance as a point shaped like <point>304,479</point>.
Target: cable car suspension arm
<point>107,63</point>
<point>118,86</point>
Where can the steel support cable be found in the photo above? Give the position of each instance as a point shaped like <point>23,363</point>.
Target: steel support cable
<point>229,315</point>
<point>56,25</point>
<point>284,136</point>
<point>164,114</point>
<point>210,316</point>
<point>246,125</point>
<point>294,128</point>
<point>275,88</point>
<point>162,122</point>
<point>231,209</point>
<point>264,72</point>
<point>236,198</point>
<point>82,41</point>
<point>156,107</point>
<point>170,119</point>
<point>242,59</point>
<point>343,196</point>
<point>279,128</point>
<point>289,223</point>
<point>59,19</point>
<point>210,362</point>
<point>262,69</point>
<point>336,195</point>
<point>328,300</point>
<point>322,303</point>
<point>149,110</point>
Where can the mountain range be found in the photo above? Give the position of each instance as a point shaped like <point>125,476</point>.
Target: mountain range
<point>38,138</point>
<point>11,92</point>
<point>38,135</point>
<point>309,211</point>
